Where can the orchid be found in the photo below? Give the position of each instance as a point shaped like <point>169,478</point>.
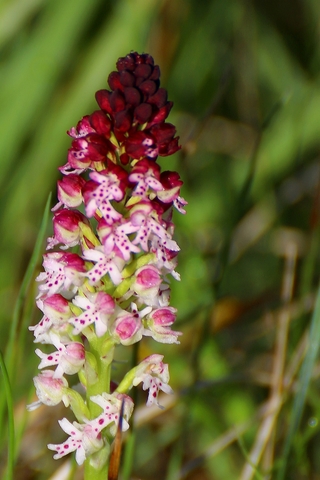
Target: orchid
<point>114,211</point>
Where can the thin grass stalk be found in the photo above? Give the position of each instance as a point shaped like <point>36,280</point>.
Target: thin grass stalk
<point>266,409</point>
<point>24,287</point>
<point>304,381</point>
<point>128,457</point>
<point>281,345</point>
<point>14,342</point>
<point>11,435</point>
<point>268,457</point>
<point>175,461</point>
<point>264,433</point>
<point>267,428</point>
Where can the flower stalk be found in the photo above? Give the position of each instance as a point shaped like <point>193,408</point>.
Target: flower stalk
<point>106,277</point>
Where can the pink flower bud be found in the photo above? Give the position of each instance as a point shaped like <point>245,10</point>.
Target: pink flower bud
<point>148,277</point>
<point>146,284</point>
<point>158,323</point>
<point>127,328</point>
<point>50,391</point>
<point>67,259</point>
<point>171,187</point>
<point>163,316</point>
<point>69,190</point>
<point>73,358</point>
<point>105,303</point>
<point>66,228</point>
<point>56,307</point>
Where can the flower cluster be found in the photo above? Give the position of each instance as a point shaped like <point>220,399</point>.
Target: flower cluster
<point>108,281</point>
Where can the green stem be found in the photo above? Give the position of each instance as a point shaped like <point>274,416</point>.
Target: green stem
<point>91,473</point>
<point>99,384</point>
<point>8,394</point>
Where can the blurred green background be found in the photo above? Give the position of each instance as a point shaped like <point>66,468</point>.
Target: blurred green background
<point>244,77</point>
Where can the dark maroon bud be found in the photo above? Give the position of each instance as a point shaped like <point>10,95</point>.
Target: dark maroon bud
<point>141,145</point>
<point>103,100</point>
<point>127,79</point>
<point>143,71</point>
<point>146,58</point>
<point>132,96</point>
<point>163,132</point>
<point>125,63</point>
<point>97,148</point>
<point>117,101</point>
<point>142,113</point>
<point>148,87</point>
<point>138,59</point>
<point>138,81</point>
<point>124,159</point>
<point>114,81</point>
<point>160,98</point>
<point>155,74</point>
<point>101,123</point>
<point>123,120</point>
<point>160,115</point>
<point>170,180</point>
<point>170,148</point>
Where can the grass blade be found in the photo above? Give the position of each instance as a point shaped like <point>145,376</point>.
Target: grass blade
<point>9,399</point>
<point>304,381</point>
<point>24,287</point>
<point>14,339</point>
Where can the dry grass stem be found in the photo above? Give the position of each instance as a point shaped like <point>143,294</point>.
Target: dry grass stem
<point>264,436</point>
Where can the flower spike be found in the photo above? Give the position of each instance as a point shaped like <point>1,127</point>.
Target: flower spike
<point>105,275</point>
